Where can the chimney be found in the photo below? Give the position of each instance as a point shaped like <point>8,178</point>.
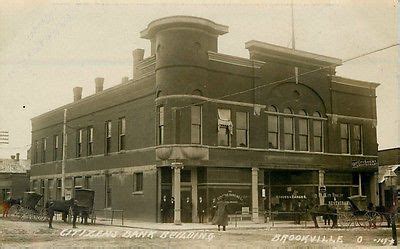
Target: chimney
<point>77,93</point>
<point>137,57</point>
<point>99,84</point>
<point>124,80</point>
<point>17,157</point>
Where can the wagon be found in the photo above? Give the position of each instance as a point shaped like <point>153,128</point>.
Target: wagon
<point>358,215</point>
<point>28,209</point>
<point>84,200</point>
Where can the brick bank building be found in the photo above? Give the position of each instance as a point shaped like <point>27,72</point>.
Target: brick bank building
<point>194,123</point>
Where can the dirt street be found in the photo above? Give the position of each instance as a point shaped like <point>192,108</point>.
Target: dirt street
<point>16,234</point>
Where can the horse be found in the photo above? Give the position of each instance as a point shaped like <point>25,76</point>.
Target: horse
<point>7,204</point>
<point>61,206</point>
<point>328,212</point>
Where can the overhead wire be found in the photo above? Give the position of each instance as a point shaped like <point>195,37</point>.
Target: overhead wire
<point>287,79</point>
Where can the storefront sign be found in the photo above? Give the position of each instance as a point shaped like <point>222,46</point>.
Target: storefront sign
<point>364,163</point>
<point>291,197</point>
<point>231,198</point>
<point>339,203</point>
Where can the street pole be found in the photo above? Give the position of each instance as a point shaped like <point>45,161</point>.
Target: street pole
<point>64,152</point>
<point>394,211</point>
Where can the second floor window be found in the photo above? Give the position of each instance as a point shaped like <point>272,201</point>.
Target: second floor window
<point>242,129</point>
<point>195,125</point>
<point>121,134</point>
<point>288,130</point>
<point>345,138</point>
<point>273,128</point>
<point>160,139</point>
<point>303,132</point>
<point>357,141</point>
<point>90,133</point>
<point>79,135</point>
<point>44,148</point>
<point>107,147</point>
<point>56,147</point>
<point>225,127</point>
<point>36,155</point>
<point>317,128</point>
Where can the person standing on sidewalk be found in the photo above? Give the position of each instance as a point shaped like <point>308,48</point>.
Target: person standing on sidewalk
<point>221,216</point>
<point>164,209</point>
<point>201,209</point>
<point>297,212</point>
<point>170,210</point>
<point>213,209</point>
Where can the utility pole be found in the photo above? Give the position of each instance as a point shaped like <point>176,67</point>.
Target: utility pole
<point>296,69</point>
<point>64,153</point>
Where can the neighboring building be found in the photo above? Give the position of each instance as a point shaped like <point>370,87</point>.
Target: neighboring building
<point>389,160</point>
<point>188,105</point>
<point>14,177</point>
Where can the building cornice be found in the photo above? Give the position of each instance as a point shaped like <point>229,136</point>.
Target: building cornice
<point>234,60</point>
<point>183,21</point>
<point>354,83</point>
<point>287,54</point>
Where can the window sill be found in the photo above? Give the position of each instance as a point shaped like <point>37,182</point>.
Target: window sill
<point>137,193</point>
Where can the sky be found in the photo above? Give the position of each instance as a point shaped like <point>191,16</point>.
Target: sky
<point>49,47</point>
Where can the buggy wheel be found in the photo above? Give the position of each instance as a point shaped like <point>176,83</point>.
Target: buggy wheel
<point>14,210</point>
<point>374,219</point>
<point>344,219</point>
<point>362,221</point>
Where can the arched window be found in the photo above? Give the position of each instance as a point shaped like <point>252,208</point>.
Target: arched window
<point>272,108</point>
<point>317,133</point>
<point>303,131</point>
<point>197,92</point>
<point>288,130</point>
<point>273,128</point>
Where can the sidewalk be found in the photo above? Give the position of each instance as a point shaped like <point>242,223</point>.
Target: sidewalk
<point>205,226</point>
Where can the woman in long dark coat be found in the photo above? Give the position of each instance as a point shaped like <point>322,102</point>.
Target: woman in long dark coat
<point>221,216</point>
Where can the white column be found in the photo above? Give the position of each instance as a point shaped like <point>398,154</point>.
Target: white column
<point>177,192</point>
<point>321,182</point>
<point>254,193</point>
<point>359,184</point>
<point>193,180</point>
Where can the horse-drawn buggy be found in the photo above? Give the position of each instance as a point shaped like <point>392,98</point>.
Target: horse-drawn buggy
<point>361,214</point>
<point>357,213</point>
<point>28,208</point>
<point>84,199</point>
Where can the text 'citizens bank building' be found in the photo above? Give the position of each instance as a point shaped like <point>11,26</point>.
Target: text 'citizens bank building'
<point>194,123</point>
